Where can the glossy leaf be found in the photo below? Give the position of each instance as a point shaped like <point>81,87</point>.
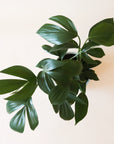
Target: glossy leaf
<point>96,52</point>
<point>23,94</point>
<point>58,94</point>
<point>17,123</point>
<point>72,68</point>
<point>14,105</point>
<point>81,108</point>
<point>57,69</point>
<point>32,115</point>
<point>9,85</point>
<point>65,46</point>
<point>59,76</point>
<point>60,52</point>
<point>67,71</point>
<point>45,82</point>
<point>60,71</point>
<point>88,59</point>
<point>66,111</point>
<point>65,22</point>
<point>108,20</point>
<point>19,117</point>
<point>49,64</point>
<point>103,32</point>
<point>20,71</point>
<point>89,44</point>
<point>47,48</point>
<point>61,47</point>
<point>55,34</point>
<point>25,91</point>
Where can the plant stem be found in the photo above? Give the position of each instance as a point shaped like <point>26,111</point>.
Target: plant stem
<point>79,41</point>
<point>79,51</point>
<point>78,55</point>
<point>85,42</point>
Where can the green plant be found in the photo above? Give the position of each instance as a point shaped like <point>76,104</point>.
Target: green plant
<point>63,79</point>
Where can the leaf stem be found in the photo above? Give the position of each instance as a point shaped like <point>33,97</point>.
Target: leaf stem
<point>79,51</point>
<point>79,41</point>
<point>85,42</point>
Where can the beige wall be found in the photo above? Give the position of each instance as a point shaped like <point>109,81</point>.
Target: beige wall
<point>19,44</point>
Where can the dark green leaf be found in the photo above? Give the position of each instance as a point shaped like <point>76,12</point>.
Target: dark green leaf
<point>89,44</point>
<point>72,68</point>
<point>103,32</point>
<point>88,59</point>
<point>55,34</point>
<point>65,46</point>
<point>14,105</point>
<point>66,111</point>
<point>25,93</point>
<point>96,52</point>
<point>71,98</point>
<point>108,20</point>
<point>60,52</point>
<point>20,71</point>
<point>56,108</point>
<point>74,86</point>
<point>49,64</point>
<point>59,75</point>
<point>9,85</point>
<point>65,22</point>
<point>67,71</point>
<point>56,48</point>
<point>17,123</point>
<point>60,69</point>
<point>81,108</point>
<point>97,62</point>
<point>47,48</point>
<point>23,89</point>
<point>90,74</point>
<point>58,94</point>
<point>45,82</point>
<point>32,115</point>
<point>83,78</point>
<point>82,86</point>
<point>53,51</point>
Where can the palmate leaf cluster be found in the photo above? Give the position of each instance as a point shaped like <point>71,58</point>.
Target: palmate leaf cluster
<point>63,79</point>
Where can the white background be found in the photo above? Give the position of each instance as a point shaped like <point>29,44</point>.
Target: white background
<point>20,45</point>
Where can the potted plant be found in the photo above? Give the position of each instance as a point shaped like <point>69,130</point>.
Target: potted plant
<point>63,79</point>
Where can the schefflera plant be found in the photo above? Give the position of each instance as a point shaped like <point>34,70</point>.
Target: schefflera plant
<point>63,79</point>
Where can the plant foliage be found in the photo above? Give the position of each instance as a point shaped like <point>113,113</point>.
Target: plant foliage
<point>63,79</point>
